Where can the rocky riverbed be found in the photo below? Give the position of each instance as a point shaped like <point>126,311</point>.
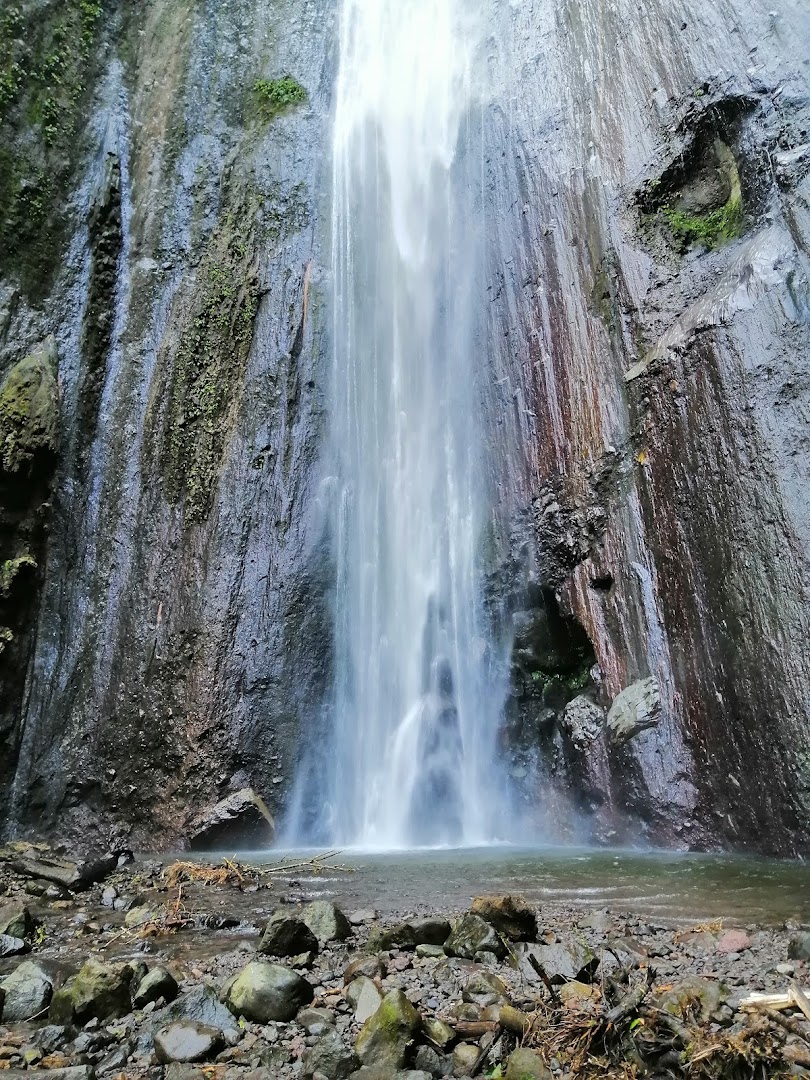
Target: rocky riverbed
<point>123,968</point>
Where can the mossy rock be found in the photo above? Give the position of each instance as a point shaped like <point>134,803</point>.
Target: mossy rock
<point>29,409</point>
<point>387,1035</point>
<point>695,997</point>
<point>99,990</point>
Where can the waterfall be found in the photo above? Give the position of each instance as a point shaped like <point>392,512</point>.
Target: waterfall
<point>410,755</point>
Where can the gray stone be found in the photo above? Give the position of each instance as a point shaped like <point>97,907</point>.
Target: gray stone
<point>524,1064</point>
<point>185,1040</point>
<point>561,961</point>
<point>367,1072</point>
<point>799,947</point>
<point>72,1072</point>
<point>386,1036</point>
<point>27,990</point>
<point>465,1056</point>
<point>364,998</point>
<point>430,952</point>
<point>316,1021</point>
<point>286,935</point>
<point>201,1005</point>
<point>693,996</point>
<point>158,983</point>
<point>584,721</point>
<point>373,967</point>
<point>472,934</point>
<point>331,1057</point>
<point>439,1033</point>
<point>16,921</point>
<point>265,992</point>
<point>12,946</point>
<point>510,915</point>
<point>69,875</point>
<point>238,822</point>
<point>635,709</point>
<point>432,1062</point>
<point>363,915</point>
<point>326,921</point>
<point>483,989</point>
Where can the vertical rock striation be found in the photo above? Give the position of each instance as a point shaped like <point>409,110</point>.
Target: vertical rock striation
<point>648,203</point>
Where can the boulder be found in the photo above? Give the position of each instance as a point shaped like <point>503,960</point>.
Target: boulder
<point>430,952</point>
<point>386,1037</point>
<point>439,1033</point>
<point>433,1063</point>
<point>465,1056</point>
<point>327,922</point>
<point>584,721</point>
<point>330,1057</point>
<point>29,409</point>
<point>635,709</point>
<point>368,1073</point>
<point>562,961</point>
<point>98,990</point>
<point>316,1021</point>
<point>12,946</point>
<point>510,915</point>
<point>472,934</point>
<point>734,941</point>
<point>286,935</point>
<point>69,875</point>
<point>158,983</point>
<point>185,1040</point>
<point>524,1064</point>
<point>407,935</point>
<point>693,997</point>
<point>799,947</point>
<point>201,1005</point>
<point>364,998</point>
<point>239,821</point>
<point>264,992</point>
<point>373,967</point>
<point>140,915</point>
<point>484,988</point>
<point>27,991</point>
<point>71,1072</point>
<point>16,921</point>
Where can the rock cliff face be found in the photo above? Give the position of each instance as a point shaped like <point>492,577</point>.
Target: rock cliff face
<point>164,215</point>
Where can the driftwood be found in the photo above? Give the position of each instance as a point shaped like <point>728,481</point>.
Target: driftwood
<point>788,999</point>
<point>801,999</point>
<point>793,1026</point>
<point>472,1029</point>
<point>514,1020</point>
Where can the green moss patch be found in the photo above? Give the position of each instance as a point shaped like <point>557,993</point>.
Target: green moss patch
<point>46,64</point>
<point>712,229</point>
<point>275,96</point>
<point>209,367</point>
<point>29,410</point>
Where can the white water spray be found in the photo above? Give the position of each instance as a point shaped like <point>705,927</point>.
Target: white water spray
<point>411,757</point>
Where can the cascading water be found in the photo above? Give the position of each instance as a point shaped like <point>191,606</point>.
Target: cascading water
<point>410,757</point>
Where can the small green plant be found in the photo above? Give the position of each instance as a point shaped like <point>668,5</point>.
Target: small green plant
<point>711,229</point>
<point>39,936</point>
<point>277,95</point>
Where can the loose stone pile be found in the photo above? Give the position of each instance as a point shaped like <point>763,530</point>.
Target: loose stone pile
<point>132,979</point>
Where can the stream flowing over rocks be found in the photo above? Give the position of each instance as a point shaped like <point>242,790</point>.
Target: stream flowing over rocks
<point>200,983</point>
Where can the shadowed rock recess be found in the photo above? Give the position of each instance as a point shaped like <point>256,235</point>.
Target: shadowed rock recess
<point>165,580</point>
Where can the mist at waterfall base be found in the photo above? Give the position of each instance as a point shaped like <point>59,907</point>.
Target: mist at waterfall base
<point>405,753</point>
